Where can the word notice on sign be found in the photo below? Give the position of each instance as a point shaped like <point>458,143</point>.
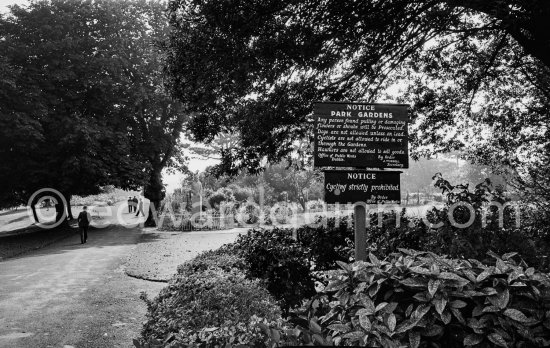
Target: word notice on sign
<point>368,187</point>
<point>361,135</point>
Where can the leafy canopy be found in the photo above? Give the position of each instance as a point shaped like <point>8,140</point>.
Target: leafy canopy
<point>475,73</point>
<point>83,103</point>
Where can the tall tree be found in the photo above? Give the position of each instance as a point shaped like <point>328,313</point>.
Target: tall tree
<point>62,113</point>
<point>254,68</point>
<point>158,119</point>
<point>86,101</point>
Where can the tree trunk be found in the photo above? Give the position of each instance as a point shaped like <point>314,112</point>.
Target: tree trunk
<point>61,213</point>
<point>69,211</point>
<point>154,192</point>
<point>59,210</point>
<point>33,208</point>
<point>302,202</point>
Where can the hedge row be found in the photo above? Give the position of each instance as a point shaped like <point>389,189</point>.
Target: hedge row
<point>416,299</point>
<point>208,303</point>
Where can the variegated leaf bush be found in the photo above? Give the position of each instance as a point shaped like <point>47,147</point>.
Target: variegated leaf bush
<point>419,299</point>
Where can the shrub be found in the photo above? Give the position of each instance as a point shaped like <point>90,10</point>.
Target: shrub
<point>219,196</point>
<point>487,232</point>
<point>170,222</point>
<point>326,245</point>
<point>176,206</point>
<point>386,236</point>
<point>335,241</point>
<point>321,247</point>
<point>241,194</point>
<point>535,227</point>
<point>272,255</point>
<point>419,299</point>
<point>249,214</point>
<point>290,268</point>
<point>206,308</point>
<point>317,205</point>
<point>247,334</point>
<point>282,213</point>
<point>212,259</point>
<point>531,240</point>
<point>266,216</point>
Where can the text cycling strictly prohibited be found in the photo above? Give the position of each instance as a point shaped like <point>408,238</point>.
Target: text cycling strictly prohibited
<point>361,135</point>
<point>360,186</point>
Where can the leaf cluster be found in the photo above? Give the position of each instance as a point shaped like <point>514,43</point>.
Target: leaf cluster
<point>420,299</point>
<point>282,263</point>
<point>208,302</point>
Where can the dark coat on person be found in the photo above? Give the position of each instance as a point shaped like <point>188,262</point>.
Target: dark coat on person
<point>84,219</point>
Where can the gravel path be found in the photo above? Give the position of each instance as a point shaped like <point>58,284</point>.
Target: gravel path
<point>158,254</point>
<point>73,295</point>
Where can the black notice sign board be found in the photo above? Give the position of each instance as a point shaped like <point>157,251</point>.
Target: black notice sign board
<point>361,186</point>
<point>361,135</point>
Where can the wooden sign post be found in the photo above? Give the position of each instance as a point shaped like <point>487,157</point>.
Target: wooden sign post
<point>362,188</point>
<point>360,224</point>
<point>360,136</point>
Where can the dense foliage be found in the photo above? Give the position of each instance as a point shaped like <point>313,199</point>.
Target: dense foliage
<point>475,73</point>
<point>208,302</point>
<point>275,257</point>
<point>220,258</point>
<point>400,297</point>
<point>496,225</point>
<point>80,106</point>
<point>412,298</point>
<point>419,299</point>
<point>291,266</point>
<point>325,245</point>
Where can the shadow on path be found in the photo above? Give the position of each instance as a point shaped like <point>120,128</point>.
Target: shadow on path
<point>31,238</point>
<point>73,294</point>
<point>67,239</point>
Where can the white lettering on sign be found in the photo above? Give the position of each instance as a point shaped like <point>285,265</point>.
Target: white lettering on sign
<point>341,113</point>
<point>376,114</point>
<point>359,107</point>
<point>365,176</point>
<point>361,135</point>
<point>336,187</point>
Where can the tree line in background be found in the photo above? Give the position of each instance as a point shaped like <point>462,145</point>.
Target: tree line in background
<point>287,182</point>
<point>82,101</point>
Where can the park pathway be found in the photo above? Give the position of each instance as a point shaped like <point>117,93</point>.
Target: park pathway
<point>73,295</point>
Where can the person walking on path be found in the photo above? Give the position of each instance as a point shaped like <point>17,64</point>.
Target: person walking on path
<point>84,219</point>
<point>140,207</point>
<point>130,205</point>
<point>135,204</point>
